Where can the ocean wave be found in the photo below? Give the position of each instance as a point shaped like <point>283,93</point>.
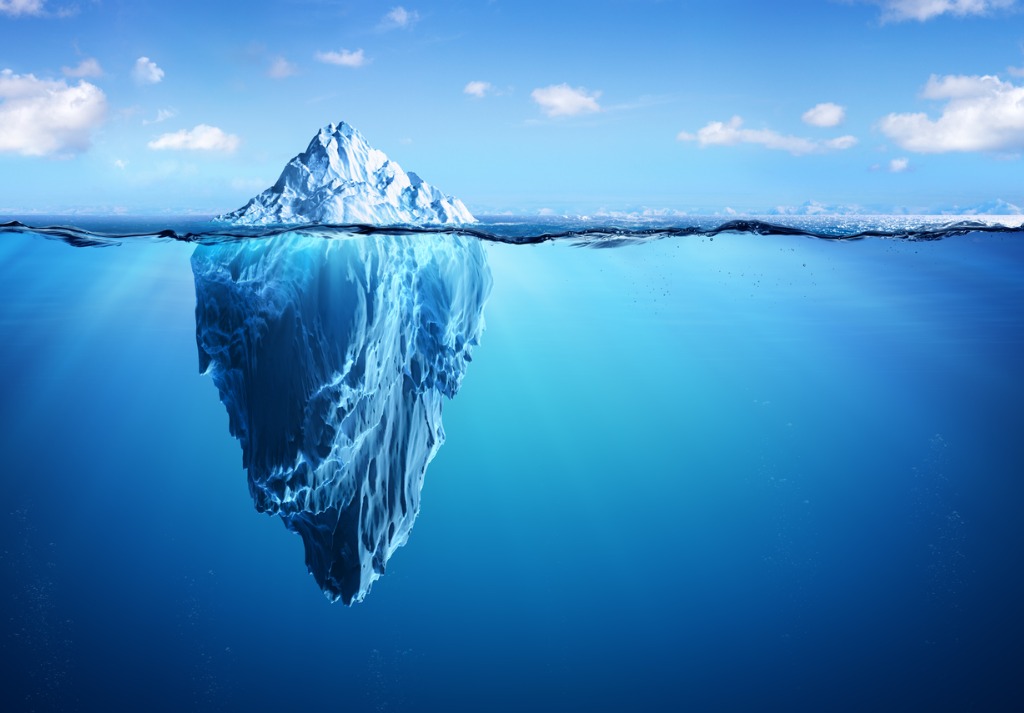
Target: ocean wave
<point>575,232</point>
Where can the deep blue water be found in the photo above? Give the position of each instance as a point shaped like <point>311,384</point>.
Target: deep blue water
<point>748,473</point>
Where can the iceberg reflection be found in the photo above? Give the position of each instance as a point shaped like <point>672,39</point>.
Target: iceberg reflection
<point>332,355</point>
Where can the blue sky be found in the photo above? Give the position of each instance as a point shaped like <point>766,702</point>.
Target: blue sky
<point>579,107</point>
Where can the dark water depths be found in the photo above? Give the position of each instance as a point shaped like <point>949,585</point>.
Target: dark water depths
<point>753,472</point>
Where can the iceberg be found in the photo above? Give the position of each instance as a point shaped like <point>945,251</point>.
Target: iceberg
<point>332,354</point>
<point>340,179</point>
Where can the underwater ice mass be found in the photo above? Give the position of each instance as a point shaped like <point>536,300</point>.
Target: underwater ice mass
<point>332,357</point>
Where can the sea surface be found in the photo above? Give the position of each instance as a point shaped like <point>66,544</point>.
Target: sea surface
<point>685,467</point>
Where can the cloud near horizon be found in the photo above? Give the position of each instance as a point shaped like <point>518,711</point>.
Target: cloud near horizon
<point>41,117</point>
<point>88,67</point>
<point>981,113</point>
<point>732,133</point>
<point>923,10</point>
<point>146,71</point>
<point>344,58</point>
<point>825,115</point>
<point>477,89</point>
<point>15,8</point>
<point>281,68</point>
<point>399,17</point>
<point>563,100</point>
<point>899,165</point>
<point>200,138</point>
<point>162,115</point>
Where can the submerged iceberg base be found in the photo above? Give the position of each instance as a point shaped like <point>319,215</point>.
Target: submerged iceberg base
<point>332,356</point>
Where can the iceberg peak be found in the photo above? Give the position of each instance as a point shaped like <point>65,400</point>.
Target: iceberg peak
<point>341,179</point>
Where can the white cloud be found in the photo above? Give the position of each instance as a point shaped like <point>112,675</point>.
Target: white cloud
<point>825,115</point>
<point>88,67</point>
<point>280,68</point>
<point>960,86</point>
<point>146,71</point>
<point>43,117</point>
<point>478,89</point>
<point>817,208</point>
<point>345,58</point>
<point>399,17</point>
<point>121,164</point>
<point>21,7</point>
<point>982,113</point>
<point>899,165</point>
<point>841,143</point>
<point>201,138</point>
<point>922,10</point>
<point>718,133</point>
<point>161,116</point>
<point>563,100</point>
<point>1015,71</point>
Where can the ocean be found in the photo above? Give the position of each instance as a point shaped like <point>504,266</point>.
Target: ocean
<point>684,466</point>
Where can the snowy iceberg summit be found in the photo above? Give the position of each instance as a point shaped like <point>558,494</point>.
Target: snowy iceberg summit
<point>340,179</point>
<point>332,354</point>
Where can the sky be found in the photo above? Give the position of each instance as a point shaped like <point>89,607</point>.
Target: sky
<point>614,107</point>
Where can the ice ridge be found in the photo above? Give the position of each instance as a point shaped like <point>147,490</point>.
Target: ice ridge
<point>340,179</point>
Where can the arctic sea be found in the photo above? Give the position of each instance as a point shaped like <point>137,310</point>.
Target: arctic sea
<point>709,472</point>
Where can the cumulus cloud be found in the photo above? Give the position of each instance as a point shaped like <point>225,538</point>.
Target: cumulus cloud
<point>563,100</point>
<point>86,68</point>
<point>146,71</point>
<point>21,7</point>
<point>201,138</point>
<point>41,117</point>
<point>280,68</point>
<point>399,17</point>
<point>477,89</point>
<point>899,165</point>
<point>718,133</point>
<point>922,10</point>
<point>345,58</point>
<point>981,113</point>
<point>825,115</point>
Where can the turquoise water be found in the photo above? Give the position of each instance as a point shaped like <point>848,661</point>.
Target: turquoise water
<point>741,473</point>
